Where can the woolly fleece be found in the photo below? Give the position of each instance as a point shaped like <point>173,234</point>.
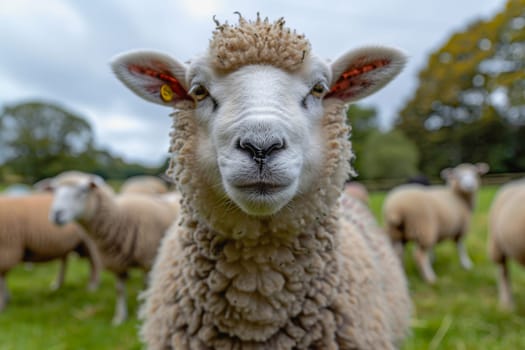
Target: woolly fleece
<point>307,277</point>
<point>507,223</point>
<point>127,228</point>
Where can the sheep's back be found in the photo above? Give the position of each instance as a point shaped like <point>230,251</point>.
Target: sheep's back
<point>144,185</point>
<point>507,220</point>
<point>25,227</point>
<point>151,217</point>
<point>408,211</point>
<point>452,212</point>
<point>428,214</point>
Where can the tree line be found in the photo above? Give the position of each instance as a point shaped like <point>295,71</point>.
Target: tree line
<point>40,139</point>
<point>469,106</point>
<point>470,102</point>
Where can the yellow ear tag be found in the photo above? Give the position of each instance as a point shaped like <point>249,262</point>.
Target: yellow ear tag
<point>166,93</point>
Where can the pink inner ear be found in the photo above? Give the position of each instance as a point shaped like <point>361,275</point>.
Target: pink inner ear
<point>165,78</point>
<point>352,81</point>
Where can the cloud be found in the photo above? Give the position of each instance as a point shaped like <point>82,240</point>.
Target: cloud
<point>201,9</point>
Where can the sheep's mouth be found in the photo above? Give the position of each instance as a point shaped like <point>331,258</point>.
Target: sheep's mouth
<point>261,198</point>
<point>262,188</point>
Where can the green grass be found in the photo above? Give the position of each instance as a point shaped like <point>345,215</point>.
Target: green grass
<point>70,318</point>
<point>459,312</point>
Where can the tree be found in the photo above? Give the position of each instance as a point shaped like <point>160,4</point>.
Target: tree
<point>363,121</point>
<point>469,104</point>
<point>39,140</point>
<point>389,155</point>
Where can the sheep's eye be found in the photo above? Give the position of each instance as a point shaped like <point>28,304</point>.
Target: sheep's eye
<point>198,92</point>
<point>319,89</point>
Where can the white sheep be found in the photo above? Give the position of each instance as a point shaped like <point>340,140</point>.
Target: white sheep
<point>506,234</point>
<point>144,184</point>
<point>127,229</point>
<point>430,214</point>
<point>27,235</point>
<point>262,257</point>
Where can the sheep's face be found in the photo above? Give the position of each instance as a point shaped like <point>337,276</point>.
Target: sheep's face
<point>261,131</point>
<point>258,127</point>
<point>72,200</point>
<point>465,178</point>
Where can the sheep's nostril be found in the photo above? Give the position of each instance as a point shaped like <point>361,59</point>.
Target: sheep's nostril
<point>58,217</point>
<point>259,153</point>
<point>275,147</point>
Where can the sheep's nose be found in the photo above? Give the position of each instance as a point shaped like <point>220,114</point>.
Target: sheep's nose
<point>260,151</point>
<point>58,217</point>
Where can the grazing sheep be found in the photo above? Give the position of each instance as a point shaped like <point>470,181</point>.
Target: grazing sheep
<point>27,235</point>
<point>144,184</point>
<point>506,234</point>
<point>262,257</point>
<point>430,214</point>
<point>127,229</point>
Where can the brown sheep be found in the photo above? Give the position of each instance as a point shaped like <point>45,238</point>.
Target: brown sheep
<point>27,235</point>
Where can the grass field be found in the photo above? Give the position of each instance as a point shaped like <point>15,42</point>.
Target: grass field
<point>459,312</point>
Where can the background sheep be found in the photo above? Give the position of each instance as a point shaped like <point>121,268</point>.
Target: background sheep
<point>429,214</point>
<point>144,184</point>
<point>507,234</point>
<point>357,190</point>
<point>127,229</point>
<point>27,235</point>
<point>262,258</point>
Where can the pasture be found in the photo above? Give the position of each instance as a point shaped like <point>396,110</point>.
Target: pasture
<point>459,312</point>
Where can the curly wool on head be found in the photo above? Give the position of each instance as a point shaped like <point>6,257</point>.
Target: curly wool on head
<point>257,42</point>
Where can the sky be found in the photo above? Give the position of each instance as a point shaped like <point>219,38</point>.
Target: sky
<point>59,51</point>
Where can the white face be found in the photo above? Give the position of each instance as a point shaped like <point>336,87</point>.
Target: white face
<point>69,203</point>
<point>467,179</point>
<point>261,132</point>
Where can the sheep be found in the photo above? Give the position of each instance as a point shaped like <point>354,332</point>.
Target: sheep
<point>127,229</point>
<point>357,190</point>
<point>261,256</point>
<point>144,184</point>
<point>27,235</point>
<point>506,228</point>
<point>430,214</point>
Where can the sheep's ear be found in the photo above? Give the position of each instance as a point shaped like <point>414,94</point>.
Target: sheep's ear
<point>482,168</point>
<point>446,173</point>
<point>44,185</point>
<point>153,76</point>
<point>361,72</point>
<point>95,181</point>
